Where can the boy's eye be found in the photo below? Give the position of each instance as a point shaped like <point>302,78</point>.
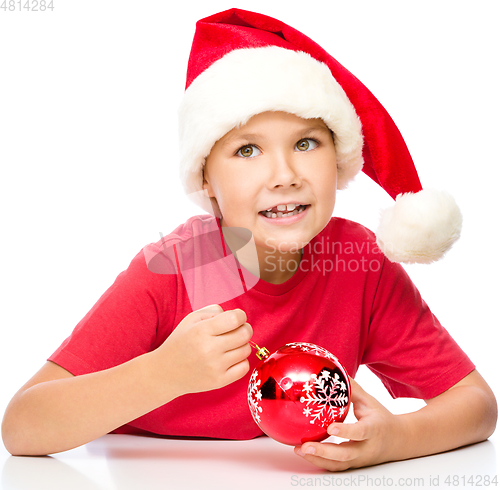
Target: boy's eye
<point>306,144</point>
<point>248,151</point>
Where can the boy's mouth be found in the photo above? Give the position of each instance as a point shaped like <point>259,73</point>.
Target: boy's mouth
<point>283,210</point>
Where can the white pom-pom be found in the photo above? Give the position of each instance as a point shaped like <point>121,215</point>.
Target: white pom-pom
<point>419,228</point>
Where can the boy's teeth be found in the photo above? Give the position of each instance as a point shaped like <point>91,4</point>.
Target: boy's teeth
<point>283,207</point>
<point>280,214</point>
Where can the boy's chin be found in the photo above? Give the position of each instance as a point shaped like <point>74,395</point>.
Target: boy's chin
<point>277,246</point>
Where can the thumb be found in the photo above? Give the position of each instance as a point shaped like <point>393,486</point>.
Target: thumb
<point>359,397</point>
<point>205,313</point>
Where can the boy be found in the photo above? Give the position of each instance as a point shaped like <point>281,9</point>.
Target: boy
<point>268,133</point>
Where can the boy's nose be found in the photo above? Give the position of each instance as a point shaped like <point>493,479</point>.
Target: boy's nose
<point>284,172</point>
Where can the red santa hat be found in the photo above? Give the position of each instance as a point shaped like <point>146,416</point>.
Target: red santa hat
<point>243,63</point>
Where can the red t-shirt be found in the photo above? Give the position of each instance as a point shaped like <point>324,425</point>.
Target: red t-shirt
<point>345,296</point>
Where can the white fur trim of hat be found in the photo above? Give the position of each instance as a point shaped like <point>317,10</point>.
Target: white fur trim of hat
<point>246,82</point>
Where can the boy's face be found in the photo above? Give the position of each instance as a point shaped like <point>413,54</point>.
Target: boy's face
<point>276,159</point>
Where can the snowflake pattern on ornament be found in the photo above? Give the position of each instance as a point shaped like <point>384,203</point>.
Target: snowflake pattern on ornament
<point>325,397</point>
<point>254,396</point>
<point>312,349</point>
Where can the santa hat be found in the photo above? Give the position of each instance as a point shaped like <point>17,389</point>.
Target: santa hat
<point>243,63</point>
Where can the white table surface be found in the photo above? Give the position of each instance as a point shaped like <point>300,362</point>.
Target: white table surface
<point>135,462</point>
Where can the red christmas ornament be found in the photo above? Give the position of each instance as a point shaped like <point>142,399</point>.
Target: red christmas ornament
<point>297,392</point>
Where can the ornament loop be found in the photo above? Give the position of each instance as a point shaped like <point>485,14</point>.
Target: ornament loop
<point>262,352</point>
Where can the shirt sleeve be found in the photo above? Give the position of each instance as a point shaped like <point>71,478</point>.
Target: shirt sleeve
<point>407,347</point>
<point>131,318</point>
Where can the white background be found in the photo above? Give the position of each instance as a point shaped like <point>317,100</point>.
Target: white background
<point>89,150</point>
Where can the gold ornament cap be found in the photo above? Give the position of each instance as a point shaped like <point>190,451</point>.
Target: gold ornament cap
<point>262,352</point>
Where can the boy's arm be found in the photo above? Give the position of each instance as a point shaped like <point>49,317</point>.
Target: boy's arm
<point>464,414</point>
<point>56,411</point>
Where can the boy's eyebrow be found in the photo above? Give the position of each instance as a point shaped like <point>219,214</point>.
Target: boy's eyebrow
<point>247,136</point>
<point>254,136</point>
<point>314,129</point>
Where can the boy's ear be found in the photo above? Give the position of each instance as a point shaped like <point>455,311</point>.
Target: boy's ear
<point>207,188</point>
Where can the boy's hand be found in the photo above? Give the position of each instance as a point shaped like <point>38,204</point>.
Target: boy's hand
<point>372,438</point>
<point>464,414</point>
<point>206,351</point>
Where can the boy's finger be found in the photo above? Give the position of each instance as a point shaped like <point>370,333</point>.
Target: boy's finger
<point>206,312</point>
<point>355,387</point>
<point>237,337</point>
<point>327,454</point>
<point>358,395</point>
<point>354,432</point>
<point>227,321</point>
<point>237,355</point>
